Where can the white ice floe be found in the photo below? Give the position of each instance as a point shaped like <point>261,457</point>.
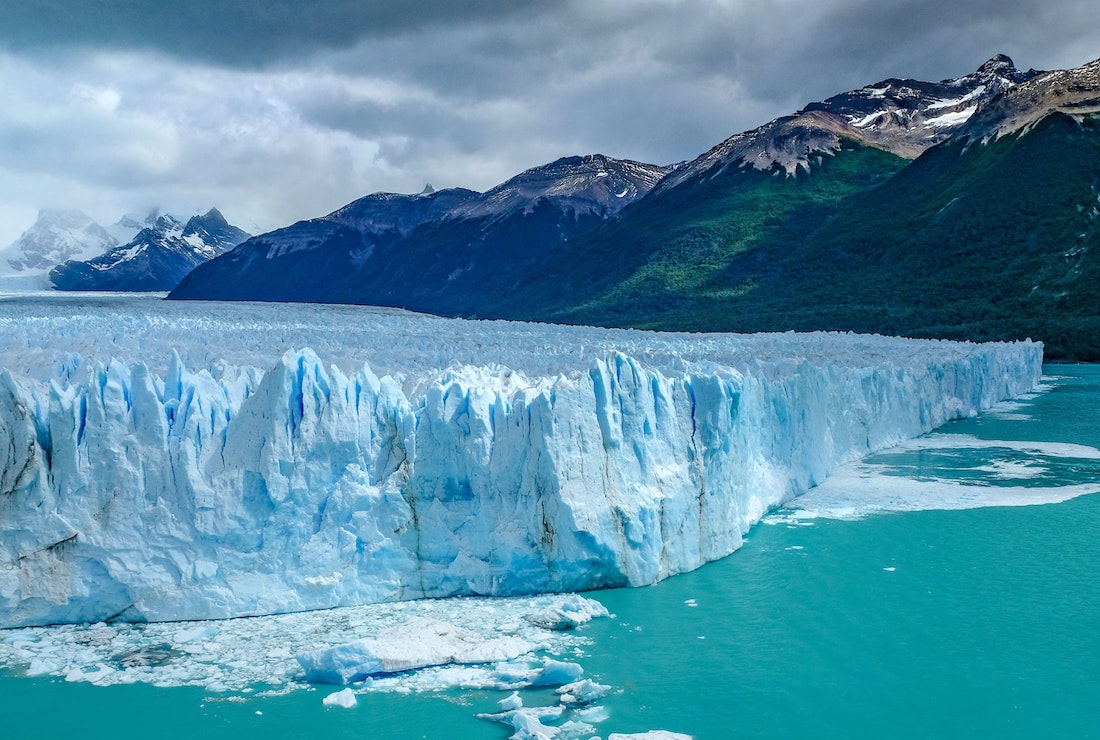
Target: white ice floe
<point>344,698</point>
<point>237,654</point>
<point>161,461</point>
<point>651,735</point>
<point>529,722</point>
<point>569,614</point>
<point>418,643</point>
<point>585,691</point>
<point>556,673</point>
<point>963,472</point>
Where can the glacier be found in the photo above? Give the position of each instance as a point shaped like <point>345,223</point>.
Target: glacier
<point>163,461</point>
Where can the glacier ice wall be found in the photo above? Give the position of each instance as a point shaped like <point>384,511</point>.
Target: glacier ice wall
<point>190,494</point>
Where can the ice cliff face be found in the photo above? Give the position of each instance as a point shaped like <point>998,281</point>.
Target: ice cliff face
<point>135,493</point>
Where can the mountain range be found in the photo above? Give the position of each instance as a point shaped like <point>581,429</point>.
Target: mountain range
<point>438,251</point>
<point>963,208</point>
<point>55,237</point>
<point>68,250</point>
<point>156,258</point>
<point>989,234</point>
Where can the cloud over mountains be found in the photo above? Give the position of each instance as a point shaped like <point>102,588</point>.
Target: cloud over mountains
<point>282,110</point>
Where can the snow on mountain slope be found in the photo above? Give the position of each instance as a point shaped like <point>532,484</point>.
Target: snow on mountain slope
<point>410,250</point>
<point>186,465</point>
<point>55,237</point>
<point>904,117</point>
<point>1074,92</point>
<point>588,184</point>
<point>383,212</point>
<point>156,258</point>
<point>126,228</point>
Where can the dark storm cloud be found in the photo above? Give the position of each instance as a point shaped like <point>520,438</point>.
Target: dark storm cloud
<point>236,32</point>
<point>803,51</point>
<point>290,109</point>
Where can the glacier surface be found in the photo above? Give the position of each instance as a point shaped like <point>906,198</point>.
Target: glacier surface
<point>167,461</point>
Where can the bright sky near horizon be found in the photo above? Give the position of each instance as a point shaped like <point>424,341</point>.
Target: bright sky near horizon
<point>282,110</point>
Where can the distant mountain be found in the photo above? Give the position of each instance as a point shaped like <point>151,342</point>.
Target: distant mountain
<point>991,234</point>
<point>675,244</point>
<point>903,117</point>
<point>966,208</point>
<point>55,237</point>
<point>313,260</point>
<point>439,251</point>
<point>155,259</point>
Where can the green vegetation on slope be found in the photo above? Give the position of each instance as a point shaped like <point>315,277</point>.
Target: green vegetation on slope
<point>672,249</point>
<point>994,240</point>
<point>979,242</point>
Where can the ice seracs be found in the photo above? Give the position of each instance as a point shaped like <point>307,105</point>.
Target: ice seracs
<point>186,473</point>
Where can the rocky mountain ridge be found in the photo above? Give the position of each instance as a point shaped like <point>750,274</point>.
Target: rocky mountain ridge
<point>1073,92</point>
<point>358,252</point>
<point>902,116</point>
<point>965,208</point>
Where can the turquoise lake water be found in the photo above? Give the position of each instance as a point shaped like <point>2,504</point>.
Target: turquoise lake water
<point>982,622</point>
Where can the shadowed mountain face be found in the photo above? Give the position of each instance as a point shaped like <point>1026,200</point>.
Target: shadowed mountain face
<point>991,234</point>
<point>440,251</point>
<point>156,259</point>
<point>964,208</point>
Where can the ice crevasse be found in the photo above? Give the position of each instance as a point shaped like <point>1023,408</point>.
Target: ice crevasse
<point>184,494</point>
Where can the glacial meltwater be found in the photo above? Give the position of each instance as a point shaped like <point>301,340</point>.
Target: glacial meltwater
<point>923,600</point>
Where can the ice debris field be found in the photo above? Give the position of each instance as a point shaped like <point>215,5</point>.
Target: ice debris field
<point>511,645</point>
<point>974,473</point>
<point>173,461</point>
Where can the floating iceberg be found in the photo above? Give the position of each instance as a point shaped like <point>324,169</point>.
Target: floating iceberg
<point>570,614</point>
<point>168,462</point>
<point>418,643</point>
<point>344,698</point>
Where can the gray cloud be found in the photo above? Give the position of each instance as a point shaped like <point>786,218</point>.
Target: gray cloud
<point>236,32</point>
<point>283,110</point>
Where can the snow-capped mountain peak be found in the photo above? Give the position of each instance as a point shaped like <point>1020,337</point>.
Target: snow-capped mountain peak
<point>1074,92</point>
<point>594,183</point>
<point>210,234</point>
<point>156,258</point>
<point>56,236</point>
<point>902,116</point>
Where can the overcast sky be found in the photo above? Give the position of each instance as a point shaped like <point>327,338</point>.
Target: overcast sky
<point>278,110</point>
